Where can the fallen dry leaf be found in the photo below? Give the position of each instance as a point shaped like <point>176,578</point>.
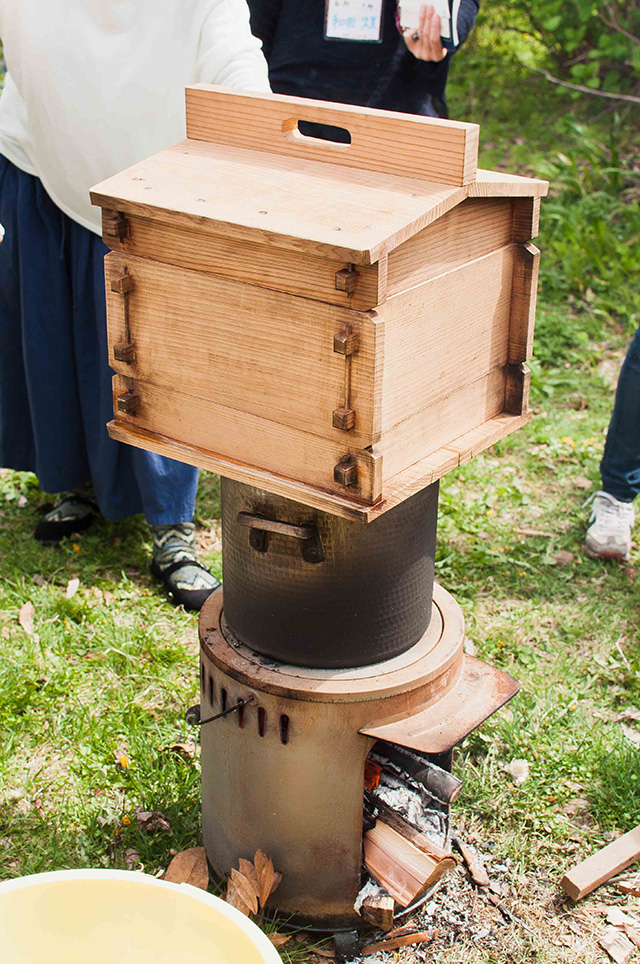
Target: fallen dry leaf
<point>629,715</point>
<point>189,867</point>
<point>582,483</point>
<point>245,889</point>
<point>277,879</point>
<point>633,736</point>
<point>562,557</point>
<point>132,858</point>
<point>265,882</point>
<point>321,952</point>
<point>246,868</point>
<point>268,879</point>
<point>235,897</point>
<point>72,587</point>
<point>151,820</point>
<point>250,886</point>
<point>25,617</point>
<point>260,861</point>
<point>279,939</point>
<point>181,748</point>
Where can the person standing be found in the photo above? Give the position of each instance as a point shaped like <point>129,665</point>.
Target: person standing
<point>92,87</point>
<point>356,52</point>
<point>612,514</point>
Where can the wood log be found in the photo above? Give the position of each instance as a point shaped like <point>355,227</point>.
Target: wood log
<point>397,864</point>
<point>378,910</point>
<point>602,866</point>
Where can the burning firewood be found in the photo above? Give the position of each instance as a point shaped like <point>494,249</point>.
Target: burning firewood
<point>396,863</point>
<point>398,823</point>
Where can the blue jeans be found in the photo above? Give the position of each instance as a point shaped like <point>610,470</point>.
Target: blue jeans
<point>55,379</point>
<point>620,466</point>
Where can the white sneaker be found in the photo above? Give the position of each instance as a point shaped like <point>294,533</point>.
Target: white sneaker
<point>610,525</point>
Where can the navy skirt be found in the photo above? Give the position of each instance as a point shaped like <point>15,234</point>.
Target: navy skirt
<point>55,379</point>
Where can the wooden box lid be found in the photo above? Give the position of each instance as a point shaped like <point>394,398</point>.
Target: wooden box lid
<point>246,172</point>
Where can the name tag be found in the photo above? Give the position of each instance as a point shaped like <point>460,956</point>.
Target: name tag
<point>353,20</point>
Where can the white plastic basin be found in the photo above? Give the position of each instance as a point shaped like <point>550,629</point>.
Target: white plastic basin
<point>122,917</point>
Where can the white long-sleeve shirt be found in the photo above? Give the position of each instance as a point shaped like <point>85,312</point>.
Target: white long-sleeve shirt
<point>93,86</point>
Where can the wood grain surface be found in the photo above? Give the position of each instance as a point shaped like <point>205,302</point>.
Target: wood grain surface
<point>384,141</point>
<point>251,262</point>
<point>247,348</point>
<point>236,436</point>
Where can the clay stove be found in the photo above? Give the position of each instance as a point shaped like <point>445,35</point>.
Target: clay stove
<point>285,772</point>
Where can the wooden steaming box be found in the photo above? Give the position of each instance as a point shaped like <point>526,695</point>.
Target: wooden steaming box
<point>341,324</point>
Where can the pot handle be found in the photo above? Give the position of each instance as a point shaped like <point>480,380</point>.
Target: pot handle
<point>261,526</point>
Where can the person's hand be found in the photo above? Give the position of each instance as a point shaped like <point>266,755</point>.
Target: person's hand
<point>425,43</point>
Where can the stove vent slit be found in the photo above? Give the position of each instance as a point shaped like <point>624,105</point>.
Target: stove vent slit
<point>284,729</point>
<point>223,699</point>
<point>262,720</point>
<point>211,691</point>
<point>241,717</point>
<point>202,678</point>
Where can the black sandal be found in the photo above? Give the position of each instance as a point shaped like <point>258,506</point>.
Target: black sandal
<point>191,599</point>
<point>51,530</point>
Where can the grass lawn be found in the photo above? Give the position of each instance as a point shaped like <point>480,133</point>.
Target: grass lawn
<point>95,680</point>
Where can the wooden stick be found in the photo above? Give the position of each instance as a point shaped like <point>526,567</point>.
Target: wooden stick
<point>420,938</point>
<point>602,866</point>
<point>474,862</point>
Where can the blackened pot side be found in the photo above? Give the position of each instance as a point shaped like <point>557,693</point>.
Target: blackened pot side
<point>312,589</point>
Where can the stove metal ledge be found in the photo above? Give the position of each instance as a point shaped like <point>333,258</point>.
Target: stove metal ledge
<point>478,693</point>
